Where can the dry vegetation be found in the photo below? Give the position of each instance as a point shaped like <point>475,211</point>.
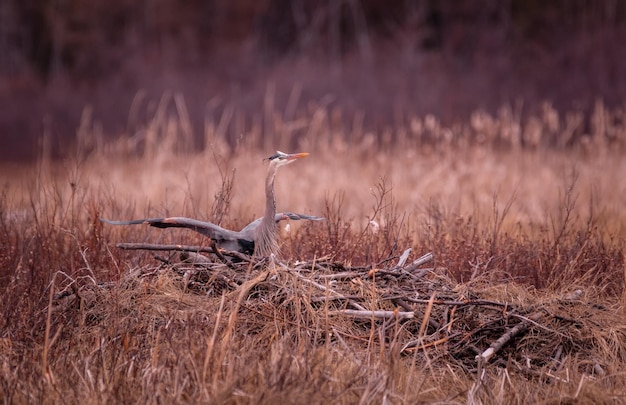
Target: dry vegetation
<point>526,222</point>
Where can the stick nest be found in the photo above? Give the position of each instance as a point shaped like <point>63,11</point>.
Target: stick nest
<point>418,312</point>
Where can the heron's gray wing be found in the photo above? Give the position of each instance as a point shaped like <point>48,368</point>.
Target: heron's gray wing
<point>296,217</point>
<point>279,217</point>
<point>224,238</point>
<point>209,229</point>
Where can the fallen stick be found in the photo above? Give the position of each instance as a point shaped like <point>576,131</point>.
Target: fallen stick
<point>365,314</point>
<point>418,262</point>
<point>523,318</point>
<point>401,269</point>
<point>181,248</point>
<point>404,257</point>
<point>484,357</point>
<point>404,268</point>
<point>451,303</point>
<point>153,246</point>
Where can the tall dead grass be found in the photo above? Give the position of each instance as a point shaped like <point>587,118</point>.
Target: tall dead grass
<point>517,211</point>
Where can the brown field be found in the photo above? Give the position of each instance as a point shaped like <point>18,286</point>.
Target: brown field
<point>526,221</point>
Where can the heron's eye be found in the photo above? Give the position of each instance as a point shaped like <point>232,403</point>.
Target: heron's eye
<point>279,156</point>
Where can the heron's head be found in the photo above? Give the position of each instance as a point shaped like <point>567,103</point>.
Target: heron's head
<point>282,158</point>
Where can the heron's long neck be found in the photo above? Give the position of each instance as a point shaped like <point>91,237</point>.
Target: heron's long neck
<point>266,242</point>
<point>270,201</point>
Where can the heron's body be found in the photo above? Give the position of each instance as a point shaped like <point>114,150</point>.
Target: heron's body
<point>238,241</point>
<point>258,238</point>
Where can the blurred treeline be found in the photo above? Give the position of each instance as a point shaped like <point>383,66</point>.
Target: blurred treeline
<point>447,57</point>
<point>91,38</point>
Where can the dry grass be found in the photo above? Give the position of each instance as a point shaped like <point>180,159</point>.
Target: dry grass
<point>83,321</point>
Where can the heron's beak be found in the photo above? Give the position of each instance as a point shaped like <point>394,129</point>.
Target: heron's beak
<point>294,156</point>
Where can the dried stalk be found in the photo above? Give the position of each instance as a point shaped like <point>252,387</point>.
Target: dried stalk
<point>365,314</point>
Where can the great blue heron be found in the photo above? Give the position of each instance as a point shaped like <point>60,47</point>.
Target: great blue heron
<point>258,237</point>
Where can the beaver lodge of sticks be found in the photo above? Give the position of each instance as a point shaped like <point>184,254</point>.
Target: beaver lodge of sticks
<point>409,305</point>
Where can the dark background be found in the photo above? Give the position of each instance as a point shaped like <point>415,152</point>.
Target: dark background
<point>387,59</point>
